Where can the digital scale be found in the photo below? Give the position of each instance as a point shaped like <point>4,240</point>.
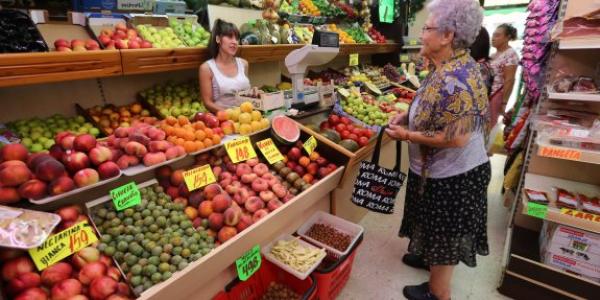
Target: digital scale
<point>325,47</point>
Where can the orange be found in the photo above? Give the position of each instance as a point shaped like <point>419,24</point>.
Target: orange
<point>171,120</point>
<point>216,139</point>
<point>169,130</point>
<point>314,156</point>
<point>189,146</point>
<point>199,145</point>
<point>180,141</point>
<point>188,127</point>
<point>180,132</point>
<point>183,120</point>
<point>200,135</point>
<point>209,132</point>
<point>199,125</point>
<point>189,135</point>
<point>171,139</point>
<point>208,142</point>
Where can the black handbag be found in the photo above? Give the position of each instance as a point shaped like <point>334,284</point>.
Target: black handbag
<point>376,187</point>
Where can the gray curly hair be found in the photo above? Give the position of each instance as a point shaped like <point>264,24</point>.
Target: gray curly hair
<point>463,17</point>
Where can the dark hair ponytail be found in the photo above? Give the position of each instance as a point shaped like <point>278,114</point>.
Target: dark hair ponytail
<point>509,30</point>
<point>220,29</point>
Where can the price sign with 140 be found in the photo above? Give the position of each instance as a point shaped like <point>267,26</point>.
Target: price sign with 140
<point>240,149</point>
<point>198,177</point>
<point>249,263</point>
<point>63,244</point>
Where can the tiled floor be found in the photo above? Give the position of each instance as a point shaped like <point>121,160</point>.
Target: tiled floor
<point>378,272</point>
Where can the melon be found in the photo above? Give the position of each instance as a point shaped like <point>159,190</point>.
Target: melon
<point>349,144</point>
<point>285,130</point>
<point>331,135</point>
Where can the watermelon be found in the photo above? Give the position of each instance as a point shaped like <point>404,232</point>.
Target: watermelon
<point>285,130</point>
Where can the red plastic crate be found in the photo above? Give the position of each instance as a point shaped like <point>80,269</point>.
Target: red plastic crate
<point>333,274</point>
<point>256,286</point>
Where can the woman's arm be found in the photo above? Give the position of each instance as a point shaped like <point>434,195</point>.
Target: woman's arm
<point>438,140</point>
<point>206,88</point>
<point>509,82</point>
<point>246,66</point>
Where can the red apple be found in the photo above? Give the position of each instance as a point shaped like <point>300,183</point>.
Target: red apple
<point>62,43</point>
<point>75,161</point>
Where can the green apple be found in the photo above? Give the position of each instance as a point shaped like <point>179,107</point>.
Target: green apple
<point>36,148</point>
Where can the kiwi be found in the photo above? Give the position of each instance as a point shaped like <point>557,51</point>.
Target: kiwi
<point>279,165</point>
<point>292,177</point>
<point>299,183</point>
<point>285,171</point>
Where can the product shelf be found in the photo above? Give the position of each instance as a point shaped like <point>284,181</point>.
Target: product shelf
<point>565,216</point>
<point>578,44</point>
<point>141,61</point>
<point>574,96</point>
<point>32,68</point>
<point>573,154</point>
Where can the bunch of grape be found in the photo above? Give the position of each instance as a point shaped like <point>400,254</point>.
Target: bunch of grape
<point>391,73</point>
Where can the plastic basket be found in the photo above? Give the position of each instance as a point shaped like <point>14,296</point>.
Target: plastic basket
<point>333,274</point>
<point>353,230</point>
<point>266,251</point>
<point>256,286</point>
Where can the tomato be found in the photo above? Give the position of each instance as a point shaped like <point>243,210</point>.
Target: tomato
<point>363,141</point>
<point>353,136</point>
<point>324,125</point>
<point>368,133</point>
<point>357,131</point>
<point>333,119</point>
<point>340,127</point>
<point>345,134</point>
<point>350,127</point>
<point>345,120</point>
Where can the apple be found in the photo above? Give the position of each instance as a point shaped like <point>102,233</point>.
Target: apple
<point>61,43</point>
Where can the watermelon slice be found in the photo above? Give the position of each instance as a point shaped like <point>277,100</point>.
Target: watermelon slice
<point>285,130</point>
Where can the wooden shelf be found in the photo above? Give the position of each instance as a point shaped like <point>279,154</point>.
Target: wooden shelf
<point>574,218</point>
<point>574,154</point>
<point>577,44</point>
<point>31,68</point>
<point>574,96</point>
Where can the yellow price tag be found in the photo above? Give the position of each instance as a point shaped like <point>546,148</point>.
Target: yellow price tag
<point>310,145</point>
<point>63,244</point>
<point>353,59</point>
<point>240,150</point>
<point>270,152</point>
<point>404,58</point>
<point>344,92</point>
<point>199,177</point>
<point>412,42</point>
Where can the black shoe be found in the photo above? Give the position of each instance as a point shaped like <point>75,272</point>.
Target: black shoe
<point>418,292</point>
<point>414,261</point>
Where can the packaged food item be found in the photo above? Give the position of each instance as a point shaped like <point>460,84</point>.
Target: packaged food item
<point>277,291</point>
<point>536,196</point>
<point>564,84</point>
<point>591,205</point>
<point>297,256</point>
<point>23,228</point>
<point>566,199</point>
<point>330,236</point>
<point>585,85</point>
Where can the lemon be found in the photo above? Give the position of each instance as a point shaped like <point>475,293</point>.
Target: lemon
<point>264,122</point>
<point>256,115</point>
<point>245,129</point>
<point>245,118</point>
<point>246,107</point>
<point>256,126</point>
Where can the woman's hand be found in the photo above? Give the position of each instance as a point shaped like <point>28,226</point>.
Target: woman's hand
<point>399,119</point>
<point>397,132</point>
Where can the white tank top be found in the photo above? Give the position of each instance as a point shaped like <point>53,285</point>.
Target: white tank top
<point>225,87</point>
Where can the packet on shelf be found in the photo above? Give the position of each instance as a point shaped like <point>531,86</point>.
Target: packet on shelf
<point>23,228</point>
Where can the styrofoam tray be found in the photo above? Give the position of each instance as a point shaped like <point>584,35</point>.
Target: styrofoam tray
<point>266,251</point>
<point>140,168</point>
<point>341,225</point>
<point>75,191</point>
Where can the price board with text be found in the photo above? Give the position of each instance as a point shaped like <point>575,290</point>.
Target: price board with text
<point>240,149</point>
<point>269,150</point>
<point>198,177</point>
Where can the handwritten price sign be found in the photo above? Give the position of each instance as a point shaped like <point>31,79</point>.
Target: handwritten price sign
<point>240,150</point>
<point>268,149</point>
<point>199,177</point>
<point>310,145</point>
<point>126,196</point>
<point>63,244</point>
<point>353,59</point>
<point>248,263</point>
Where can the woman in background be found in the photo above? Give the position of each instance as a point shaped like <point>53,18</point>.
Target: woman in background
<point>224,74</point>
<point>504,65</point>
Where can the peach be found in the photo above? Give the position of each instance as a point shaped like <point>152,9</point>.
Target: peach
<point>140,138</point>
<point>34,160</point>
<point>164,172</point>
<point>260,169</point>
<point>177,177</point>
<point>113,273</point>
<point>195,198</point>
<point>197,222</point>
<point>84,142</point>
<point>211,190</point>
<point>205,209</point>
<point>135,148</point>
<point>312,168</point>
<point>151,159</point>
<point>61,135</point>
<point>14,163</point>
<point>233,187</point>
<point>300,170</point>
<point>181,150</point>
<point>226,233</point>
<point>61,185</point>
<point>9,195</point>
<point>156,134</point>
<point>259,214</point>
<point>253,204</point>
<point>102,287</point>
<point>215,161</point>
<point>123,142</point>
<point>215,221</point>
<point>221,202</point>
<point>245,222</point>
<point>127,161</point>
<point>24,281</point>
<point>172,152</point>
<point>191,212</point>
<point>225,182</point>
<point>227,127</point>
<point>34,293</point>
<point>75,161</point>
<point>14,152</point>
<point>15,175</point>
<point>259,185</point>
<point>217,170</point>
<point>108,169</point>
<point>279,190</point>
<point>106,260</point>
<point>85,256</point>
<point>66,289</point>
<point>69,213</point>
<point>67,142</point>
<point>16,267</point>
<point>274,204</point>
<point>100,154</point>
<point>183,190</point>
<point>123,292</point>
<point>231,167</point>
<point>242,169</point>
<point>156,146</point>
<point>181,200</point>
<point>92,271</point>
<point>116,153</point>
<point>249,178</point>
<point>121,132</point>
<point>252,162</point>
<point>288,197</point>
<point>56,273</point>
<point>173,192</point>
<point>56,151</point>
<point>49,169</point>
<point>267,196</point>
<point>86,177</point>
<point>232,216</point>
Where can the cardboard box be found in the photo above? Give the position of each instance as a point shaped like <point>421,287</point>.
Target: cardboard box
<point>267,101</point>
<point>571,249</point>
<point>113,5</point>
<point>169,6</point>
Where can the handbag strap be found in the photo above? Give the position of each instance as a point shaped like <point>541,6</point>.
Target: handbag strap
<point>377,150</point>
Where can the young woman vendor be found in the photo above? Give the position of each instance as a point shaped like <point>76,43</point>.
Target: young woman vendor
<point>224,74</point>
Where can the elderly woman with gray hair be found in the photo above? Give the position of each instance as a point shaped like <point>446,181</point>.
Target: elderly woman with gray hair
<point>445,210</point>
